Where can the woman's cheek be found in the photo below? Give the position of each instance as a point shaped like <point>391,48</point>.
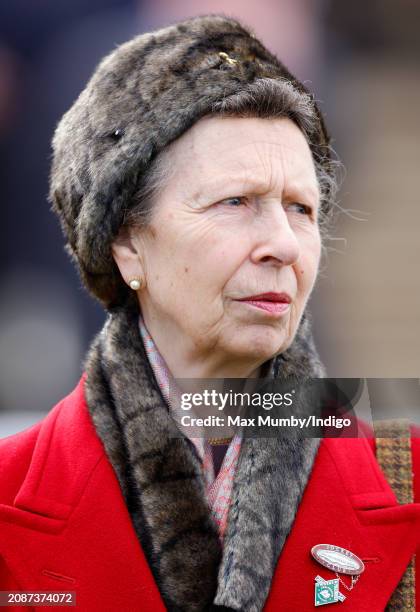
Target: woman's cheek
<point>309,262</point>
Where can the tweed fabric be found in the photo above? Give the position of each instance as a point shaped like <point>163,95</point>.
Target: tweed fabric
<point>142,96</point>
<point>162,481</point>
<point>218,489</point>
<point>393,453</point>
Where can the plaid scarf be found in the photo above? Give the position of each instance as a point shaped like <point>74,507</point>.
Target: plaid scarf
<point>218,488</point>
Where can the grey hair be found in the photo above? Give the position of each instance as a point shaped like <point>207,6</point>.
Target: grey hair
<point>265,98</point>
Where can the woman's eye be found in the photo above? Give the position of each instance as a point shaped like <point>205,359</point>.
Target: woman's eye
<point>302,209</point>
<point>234,202</point>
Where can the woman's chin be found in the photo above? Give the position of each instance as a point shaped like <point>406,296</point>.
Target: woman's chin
<point>261,347</point>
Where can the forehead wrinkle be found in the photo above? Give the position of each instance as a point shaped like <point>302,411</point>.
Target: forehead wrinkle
<point>265,176</point>
<point>266,154</point>
<point>274,155</point>
<point>256,175</point>
<point>247,180</point>
<point>295,182</point>
<point>242,182</point>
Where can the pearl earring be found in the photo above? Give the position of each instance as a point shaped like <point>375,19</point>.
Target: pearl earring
<point>135,284</point>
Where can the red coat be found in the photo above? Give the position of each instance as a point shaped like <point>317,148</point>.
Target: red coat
<point>64,525</point>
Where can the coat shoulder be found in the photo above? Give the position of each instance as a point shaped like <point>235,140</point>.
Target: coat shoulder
<point>15,457</point>
<point>17,450</point>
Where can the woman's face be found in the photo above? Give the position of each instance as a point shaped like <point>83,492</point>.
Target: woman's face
<point>238,218</point>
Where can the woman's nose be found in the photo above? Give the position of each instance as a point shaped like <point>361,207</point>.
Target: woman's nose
<point>275,241</point>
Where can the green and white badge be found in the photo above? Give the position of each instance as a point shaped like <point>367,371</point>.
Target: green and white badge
<point>326,591</point>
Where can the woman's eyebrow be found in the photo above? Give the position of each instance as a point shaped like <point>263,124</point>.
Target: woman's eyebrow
<point>308,191</point>
<point>229,185</point>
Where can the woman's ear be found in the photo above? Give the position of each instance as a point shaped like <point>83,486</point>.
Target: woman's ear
<point>126,254</point>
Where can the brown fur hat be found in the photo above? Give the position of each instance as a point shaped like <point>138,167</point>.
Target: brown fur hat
<point>141,97</point>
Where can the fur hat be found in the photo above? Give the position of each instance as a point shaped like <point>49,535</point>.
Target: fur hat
<point>141,97</point>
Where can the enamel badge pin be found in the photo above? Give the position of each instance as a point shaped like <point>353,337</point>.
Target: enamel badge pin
<point>340,561</point>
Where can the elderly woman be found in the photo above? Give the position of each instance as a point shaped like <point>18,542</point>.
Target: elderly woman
<point>193,181</point>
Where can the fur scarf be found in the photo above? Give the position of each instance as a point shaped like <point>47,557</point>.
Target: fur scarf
<point>161,481</point>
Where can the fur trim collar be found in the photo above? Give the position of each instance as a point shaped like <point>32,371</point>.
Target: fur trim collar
<point>160,477</point>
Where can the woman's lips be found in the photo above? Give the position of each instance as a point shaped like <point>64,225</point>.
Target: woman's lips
<point>273,303</point>
<point>272,307</point>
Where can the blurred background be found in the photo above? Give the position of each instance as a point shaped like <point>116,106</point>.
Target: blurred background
<point>360,59</point>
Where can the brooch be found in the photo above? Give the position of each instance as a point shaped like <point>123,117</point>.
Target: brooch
<point>340,561</point>
<point>226,58</point>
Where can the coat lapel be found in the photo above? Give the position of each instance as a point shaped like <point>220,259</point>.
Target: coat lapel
<point>71,516</point>
<point>348,503</point>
